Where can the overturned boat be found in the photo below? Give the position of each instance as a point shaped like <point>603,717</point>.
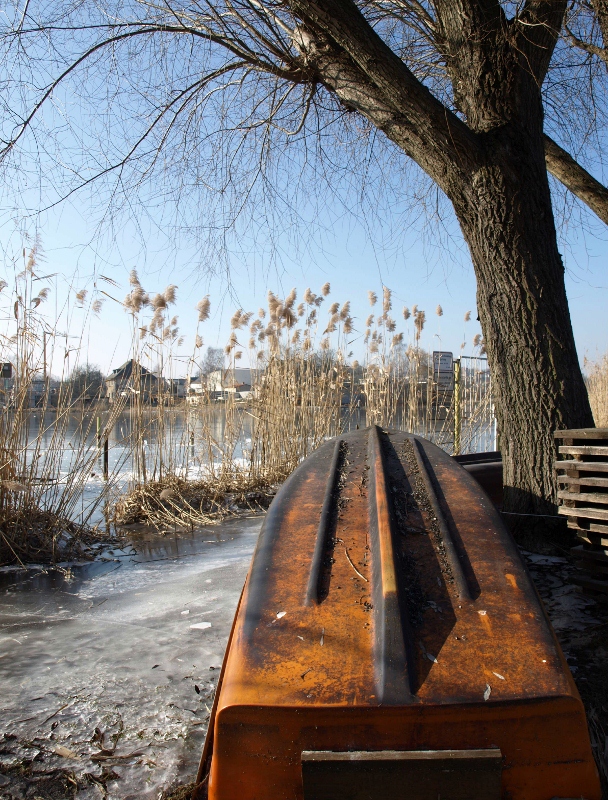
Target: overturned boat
<point>389,644</point>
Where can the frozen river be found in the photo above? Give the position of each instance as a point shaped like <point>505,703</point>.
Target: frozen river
<point>108,669</point>
<point>69,460</point>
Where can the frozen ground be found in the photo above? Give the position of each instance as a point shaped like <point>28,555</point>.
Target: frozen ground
<point>106,684</point>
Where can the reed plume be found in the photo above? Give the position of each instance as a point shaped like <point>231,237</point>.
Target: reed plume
<point>203,306</point>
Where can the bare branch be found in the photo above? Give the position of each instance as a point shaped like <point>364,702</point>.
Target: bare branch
<point>575,178</point>
<point>431,127</point>
<point>589,16</point>
<point>537,31</point>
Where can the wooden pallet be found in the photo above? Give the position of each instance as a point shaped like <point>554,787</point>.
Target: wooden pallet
<point>582,477</point>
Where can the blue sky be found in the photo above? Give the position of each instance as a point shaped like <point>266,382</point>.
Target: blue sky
<point>93,118</point>
<point>348,257</point>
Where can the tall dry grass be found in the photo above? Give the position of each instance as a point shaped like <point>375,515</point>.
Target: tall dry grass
<point>46,457</point>
<point>597,387</point>
<point>183,468</point>
<point>299,383</point>
<point>306,388</point>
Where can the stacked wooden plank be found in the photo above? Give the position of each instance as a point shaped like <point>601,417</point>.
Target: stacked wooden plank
<point>582,475</point>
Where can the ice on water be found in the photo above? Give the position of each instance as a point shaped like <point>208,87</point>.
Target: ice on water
<point>103,653</point>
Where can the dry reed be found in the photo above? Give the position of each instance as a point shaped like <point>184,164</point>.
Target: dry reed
<point>46,456</point>
<point>305,389</point>
<point>597,387</point>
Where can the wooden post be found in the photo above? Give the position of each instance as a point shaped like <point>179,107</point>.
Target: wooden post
<point>457,408</point>
<point>105,458</point>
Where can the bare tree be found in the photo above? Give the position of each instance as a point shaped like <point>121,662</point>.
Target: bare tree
<point>213,361</point>
<point>252,99</point>
<point>586,27</point>
<point>86,383</point>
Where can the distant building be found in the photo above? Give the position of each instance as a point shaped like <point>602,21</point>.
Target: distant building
<point>6,383</point>
<point>29,393</point>
<point>132,378</point>
<point>195,389</point>
<point>220,383</point>
<point>177,387</point>
<point>234,381</point>
<point>36,391</point>
<point>215,381</point>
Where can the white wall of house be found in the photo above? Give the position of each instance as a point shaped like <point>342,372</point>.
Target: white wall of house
<point>178,387</point>
<point>215,381</point>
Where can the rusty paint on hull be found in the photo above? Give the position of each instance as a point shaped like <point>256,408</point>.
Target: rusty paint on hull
<point>387,609</point>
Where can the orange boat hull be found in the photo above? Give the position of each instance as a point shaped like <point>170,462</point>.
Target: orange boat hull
<point>389,643</point>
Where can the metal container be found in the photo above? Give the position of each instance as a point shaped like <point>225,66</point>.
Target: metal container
<point>389,644</point>
<point>486,468</point>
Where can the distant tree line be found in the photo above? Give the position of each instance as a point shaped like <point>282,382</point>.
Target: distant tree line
<point>86,382</point>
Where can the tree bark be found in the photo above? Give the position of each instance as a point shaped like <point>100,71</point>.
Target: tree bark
<point>601,10</point>
<point>506,217</point>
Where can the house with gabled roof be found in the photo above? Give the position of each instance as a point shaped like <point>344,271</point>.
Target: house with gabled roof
<point>231,380</point>
<point>133,378</point>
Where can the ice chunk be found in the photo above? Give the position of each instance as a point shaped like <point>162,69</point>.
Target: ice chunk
<point>200,626</point>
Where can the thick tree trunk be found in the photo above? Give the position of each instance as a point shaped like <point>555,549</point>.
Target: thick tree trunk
<point>506,217</point>
<point>492,167</point>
